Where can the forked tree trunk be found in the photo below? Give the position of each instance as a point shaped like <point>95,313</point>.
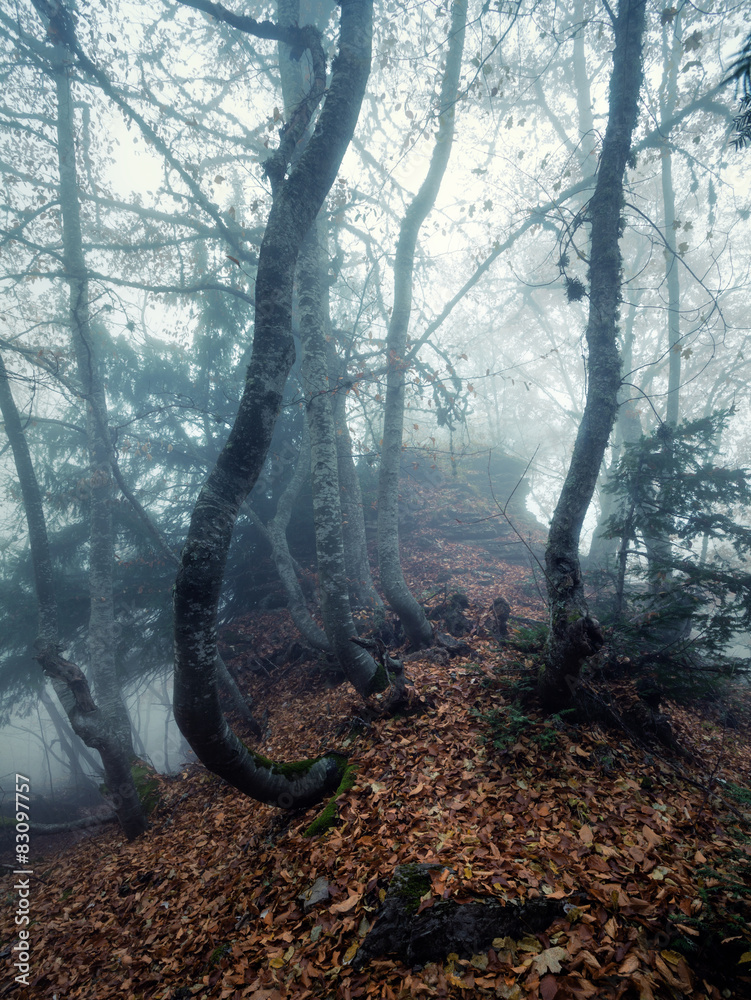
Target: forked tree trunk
<point>410,612</point>
<point>574,635</point>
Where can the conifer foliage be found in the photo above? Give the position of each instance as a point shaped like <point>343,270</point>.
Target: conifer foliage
<point>693,589</point>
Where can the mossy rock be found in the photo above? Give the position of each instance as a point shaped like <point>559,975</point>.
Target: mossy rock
<point>467,927</point>
<point>411,882</point>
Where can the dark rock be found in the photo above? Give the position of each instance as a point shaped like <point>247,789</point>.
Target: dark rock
<point>318,892</point>
<point>451,613</point>
<point>452,646</point>
<point>500,611</point>
<point>467,928</point>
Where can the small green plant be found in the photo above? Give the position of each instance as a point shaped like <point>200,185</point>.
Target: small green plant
<point>507,724</point>
<point>723,920</point>
<point>218,954</point>
<point>530,639</point>
<point>546,738</point>
<point>739,793</point>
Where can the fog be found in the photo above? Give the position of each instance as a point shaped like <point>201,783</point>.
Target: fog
<point>136,194</point>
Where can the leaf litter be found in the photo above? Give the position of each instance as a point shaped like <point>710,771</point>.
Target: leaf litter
<point>211,903</point>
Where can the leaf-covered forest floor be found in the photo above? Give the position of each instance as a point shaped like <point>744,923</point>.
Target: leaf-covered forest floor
<point>207,905</point>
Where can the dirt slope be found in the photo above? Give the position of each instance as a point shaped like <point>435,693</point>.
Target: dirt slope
<point>656,867</point>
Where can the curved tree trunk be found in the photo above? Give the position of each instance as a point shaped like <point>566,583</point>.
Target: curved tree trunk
<point>94,726</point>
<point>574,635</point>
<point>297,201</point>
<point>411,614</point>
<point>110,732</point>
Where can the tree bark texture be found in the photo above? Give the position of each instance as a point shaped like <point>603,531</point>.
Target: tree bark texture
<point>410,612</point>
<point>110,734</point>
<point>298,198</point>
<point>574,635</point>
<point>90,723</point>
<point>358,665</point>
<point>362,592</point>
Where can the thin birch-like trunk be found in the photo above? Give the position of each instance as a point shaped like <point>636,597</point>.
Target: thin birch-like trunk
<point>93,725</point>
<point>411,614</point>
<point>360,668</point>
<point>574,634</point>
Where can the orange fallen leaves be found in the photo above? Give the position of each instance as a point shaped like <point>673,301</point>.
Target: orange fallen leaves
<point>208,904</point>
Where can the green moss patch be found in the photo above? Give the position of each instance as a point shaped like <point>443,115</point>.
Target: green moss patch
<point>147,785</point>
<point>410,883</point>
<point>292,769</point>
<point>328,816</point>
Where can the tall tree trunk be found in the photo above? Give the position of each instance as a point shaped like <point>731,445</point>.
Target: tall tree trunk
<point>574,635</point>
<point>411,614</point>
<point>297,201</point>
<point>95,726</point>
<point>362,592</point>
<point>276,534</point>
<point>117,749</point>
<point>659,548</point>
<point>358,665</point>
<point>112,737</point>
<point>672,51</point>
